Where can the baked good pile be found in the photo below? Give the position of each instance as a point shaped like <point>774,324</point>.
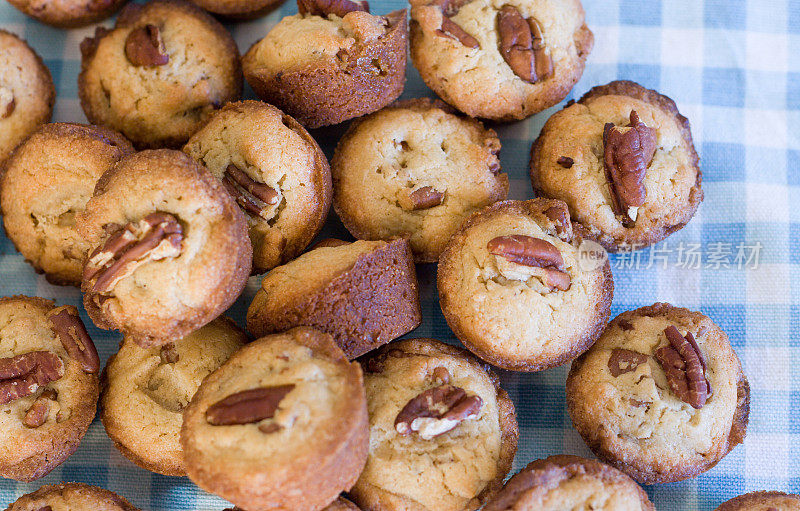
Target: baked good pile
<point>162,209</point>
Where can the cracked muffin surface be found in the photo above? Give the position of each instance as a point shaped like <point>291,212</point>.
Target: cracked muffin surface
<point>570,483</point>
<point>568,162</point>
<point>27,93</point>
<point>417,170</point>
<point>280,176</point>
<point>71,497</point>
<point>49,385</point>
<point>330,62</point>
<point>160,73</point>
<point>146,389</point>
<point>513,288</point>
<point>170,250</point>
<point>421,459</point>
<point>661,395</point>
<point>458,48</point>
<point>45,185</point>
<point>281,425</point>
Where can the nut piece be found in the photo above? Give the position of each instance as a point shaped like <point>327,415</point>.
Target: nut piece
<point>533,252</point>
<point>22,375</point>
<point>7,102</point>
<point>168,354</point>
<point>441,375</point>
<point>40,409</point>
<point>522,45</point>
<point>256,199</point>
<point>565,161</point>
<point>560,220</point>
<point>247,406</point>
<point>144,47</point>
<point>436,411</point>
<point>157,236</point>
<point>627,152</point>
<point>624,361</point>
<point>450,28</point>
<point>67,325</point>
<point>423,198</point>
<point>685,368</point>
<point>326,7</point>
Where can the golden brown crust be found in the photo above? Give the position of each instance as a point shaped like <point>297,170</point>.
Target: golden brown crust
<point>551,471</point>
<point>323,93</point>
<point>664,103</point>
<point>239,10</point>
<point>69,13</point>
<point>83,495</point>
<point>759,500</point>
<point>447,270</point>
<point>636,470</point>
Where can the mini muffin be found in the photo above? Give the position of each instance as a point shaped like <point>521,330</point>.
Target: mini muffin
<point>238,9</point>
<point>331,62</point>
<point>762,501</point>
<point>500,60</point>
<point>415,169</point>
<point>515,290</point>
<point>160,73</point>
<point>48,385</point>
<point>68,13</point>
<point>169,248</point>
<point>623,160</point>
<point>146,389</point>
<point>46,183</point>
<point>443,433</point>
<point>281,425</point>
<point>364,294</point>
<point>661,395</point>
<point>26,92</point>
<point>570,482</point>
<point>68,496</point>
<point>275,170</point>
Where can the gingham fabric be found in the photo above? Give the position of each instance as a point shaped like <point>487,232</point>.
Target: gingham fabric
<point>733,67</point>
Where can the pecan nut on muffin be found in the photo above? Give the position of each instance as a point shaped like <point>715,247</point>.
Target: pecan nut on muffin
<point>623,160</point>
<point>331,62</point>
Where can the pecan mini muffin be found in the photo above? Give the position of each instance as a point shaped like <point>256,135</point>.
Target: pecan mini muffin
<point>569,482</point>
<point>281,425</point>
<point>169,248</point>
<point>46,183</point>
<point>661,395</point>
<point>331,62</point>
<point>275,170</point>
<point>68,13</point>
<point>69,496</point>
<point>26,92</point>
<point>160,73</point>
<point>496,59</point>
<point>415,169</point>
<point>48,385</point>
<point>144,392</point>
<point>514,287</point>
<point>623,160</point>
<point>364,294</point>
<point>762,501</point>
<point>443,433</point>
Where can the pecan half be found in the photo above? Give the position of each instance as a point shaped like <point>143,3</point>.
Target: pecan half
<point>70,330</point>
<point>533,252</point>
<point>522,45</point>
<point>157,236</point>
<point>437,411</point>
<point>144,47</point>
<point>624,361</point>
<point>22,375</point>
<point>325,7</point>
<point>256,199</point>
<point>425,197</point>
<point>7,102</point>
<point>560,220</point>
<point>37,414</point>
<point>247,406</point>
<point>168,354</point>
<point>450,28</point>
<point>627,152</point>
<point>565,161</point>
<point>685,368</point>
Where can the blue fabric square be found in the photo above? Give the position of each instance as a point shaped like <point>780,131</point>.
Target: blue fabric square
<point>793,91</point>
<point>729,14</point>
<point>731,319</point>
<point>646,75</point>
<point>636,12</point>
<point>722,162</point>
<point>793,19</point>
<point>723,87</point>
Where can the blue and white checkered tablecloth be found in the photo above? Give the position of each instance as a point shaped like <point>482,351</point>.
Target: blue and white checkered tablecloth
<point>733,67</point>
